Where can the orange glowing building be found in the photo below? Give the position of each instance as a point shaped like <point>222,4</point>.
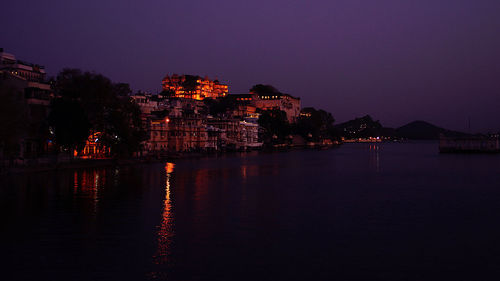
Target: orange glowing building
<point>94,149</point>
<point>287,103</point>
<point>193,87</point>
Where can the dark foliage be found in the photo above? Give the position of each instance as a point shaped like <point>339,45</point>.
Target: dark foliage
<point>275,126</point>
<point>219,107</point>
<point>104,106</point>
<point>261,89</point>
<point>168,93</point>
<point>191,82</point>
<point>315,125</point>
<point>122,89</point>
<point>69,122</point>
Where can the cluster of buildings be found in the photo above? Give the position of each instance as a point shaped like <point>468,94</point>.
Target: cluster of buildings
<point>287,103</point>
<point>185,125</point>
<point>193,87</point>
<point>28,83</point>
<point>177,120</point>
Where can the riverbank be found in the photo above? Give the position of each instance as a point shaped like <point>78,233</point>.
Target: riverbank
<point>57,163</point>
<point>43,166</point>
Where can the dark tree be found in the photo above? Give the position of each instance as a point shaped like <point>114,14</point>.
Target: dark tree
<point>93,91</point>
<point>168,93</point>
<point>315,124</point>
<point>69,123</point>
<point>264,89</point>
<point>219,106</point>
<point>275,125</point>
<point>126,131</point>
<point>106,107</point>
<point>122,89</point>
<point>191,82</point>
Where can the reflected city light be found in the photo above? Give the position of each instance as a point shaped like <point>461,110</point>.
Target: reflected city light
<point>374,160</point>
<point>244,172</point>
<point>249,171</point>
<point>169,168</point>
<point>166,229</point>
<point>87,183</point>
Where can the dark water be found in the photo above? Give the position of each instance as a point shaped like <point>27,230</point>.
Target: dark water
<point>360,212</point>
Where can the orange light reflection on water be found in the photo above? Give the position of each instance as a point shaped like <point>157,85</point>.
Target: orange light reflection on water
<point>87,184</point>
<point>374,160</point>
<point>249,171</point>
<point>165,231</point>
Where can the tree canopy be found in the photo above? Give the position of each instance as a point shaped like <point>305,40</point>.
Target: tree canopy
<point>92,103</point>
<point>191,82</point>
<point>69,122</point>
<point>315,124</point>
<point>220,106</point>
<point>261,89</point>
<point>275,125</point>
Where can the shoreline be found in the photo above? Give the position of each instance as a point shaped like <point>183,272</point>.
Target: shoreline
<point>111,162</point>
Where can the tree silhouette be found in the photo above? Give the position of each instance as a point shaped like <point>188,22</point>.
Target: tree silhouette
<point>95,104</point>
<point>275,125</point>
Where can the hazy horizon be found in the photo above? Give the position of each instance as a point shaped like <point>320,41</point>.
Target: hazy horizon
<point>398,61</point>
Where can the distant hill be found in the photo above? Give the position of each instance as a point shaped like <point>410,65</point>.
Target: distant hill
<point>363,127</point>
<point>421,130</point>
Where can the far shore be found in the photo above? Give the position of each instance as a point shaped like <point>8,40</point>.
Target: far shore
<point>44,165</point>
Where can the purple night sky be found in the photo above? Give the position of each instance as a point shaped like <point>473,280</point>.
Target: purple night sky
<point>397,60</point>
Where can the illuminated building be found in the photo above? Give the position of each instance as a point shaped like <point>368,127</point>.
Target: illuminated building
<point>287,103</point>
<point>146,102</point>
<point>193,87</point>
<point>249,135</point>
<point>94,149</point>
<point>236,134</point>
<point>190,128</point>
<point>176,133</point>
<point>28,71</point>
<point>36,97</point>
<point>229,128</point>
<point>158,140</point>
<point>244,110</point>
<point>187,133</point>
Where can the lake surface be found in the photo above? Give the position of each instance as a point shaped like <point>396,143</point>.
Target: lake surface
<point>360,212</point>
